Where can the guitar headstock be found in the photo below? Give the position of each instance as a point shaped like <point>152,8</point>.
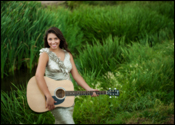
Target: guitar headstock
<point>113,92</point>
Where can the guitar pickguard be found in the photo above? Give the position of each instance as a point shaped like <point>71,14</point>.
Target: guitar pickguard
<point>58,100</point>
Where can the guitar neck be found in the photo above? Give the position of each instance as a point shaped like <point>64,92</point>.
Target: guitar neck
<point>79,93</point>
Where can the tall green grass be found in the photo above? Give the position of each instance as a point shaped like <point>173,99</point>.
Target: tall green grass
<point>15,110</point>
<point>24,25</point>
<point>149,70</point>
<point>131,20</point>
<point>145,81</point>
<point>101,58</point>
<point>17,24</point>
<point>129,47</point>
<point>164,8</point>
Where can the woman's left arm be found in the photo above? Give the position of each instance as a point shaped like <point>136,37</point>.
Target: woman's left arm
<point>79,79</point>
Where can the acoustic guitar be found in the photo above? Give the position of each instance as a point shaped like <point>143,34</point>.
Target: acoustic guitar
<point>62,92</point>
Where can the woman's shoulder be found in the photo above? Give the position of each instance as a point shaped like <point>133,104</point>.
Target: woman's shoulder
<point>44,50</point>
<point>68,53</point>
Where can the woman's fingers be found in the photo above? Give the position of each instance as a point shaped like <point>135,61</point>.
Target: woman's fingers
<point>50,107</point>
<point>50,103</point>
<point>94,94</point>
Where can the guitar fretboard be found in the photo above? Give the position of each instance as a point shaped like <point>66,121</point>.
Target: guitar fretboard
<point>77,93</point>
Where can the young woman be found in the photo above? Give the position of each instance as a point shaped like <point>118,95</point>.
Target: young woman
<point>56,62</point>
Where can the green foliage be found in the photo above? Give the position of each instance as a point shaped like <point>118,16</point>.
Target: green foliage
<point>145,80</point>
<point>130,20</point>
<point>101,58</point>
<point>160,113</point>
<point>151,68</point>
<point>24,24</point>
<point>129,47</point>
<point>75,4</point>
<point>15,110</point>
<point>160,6</point>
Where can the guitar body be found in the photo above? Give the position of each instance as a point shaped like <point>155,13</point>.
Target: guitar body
<point>36,98</point>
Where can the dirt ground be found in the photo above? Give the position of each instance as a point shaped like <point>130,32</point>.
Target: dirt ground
<point>51,2</point>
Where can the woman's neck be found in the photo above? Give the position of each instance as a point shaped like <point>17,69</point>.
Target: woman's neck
<point>56,50</point>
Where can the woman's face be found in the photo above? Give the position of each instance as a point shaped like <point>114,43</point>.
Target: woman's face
<point>53,41</point>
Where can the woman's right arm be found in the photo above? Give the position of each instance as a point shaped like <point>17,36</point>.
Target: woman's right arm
<point>39,75</point>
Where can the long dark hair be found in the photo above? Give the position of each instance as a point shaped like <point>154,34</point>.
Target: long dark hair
<point>58,33</point>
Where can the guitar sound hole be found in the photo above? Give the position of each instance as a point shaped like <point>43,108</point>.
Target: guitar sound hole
<point>60,93</point>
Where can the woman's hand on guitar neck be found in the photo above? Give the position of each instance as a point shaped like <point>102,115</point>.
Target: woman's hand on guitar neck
<point>50,103</point>
<point>94,94</point>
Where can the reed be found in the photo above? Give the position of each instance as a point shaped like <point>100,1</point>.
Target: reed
<point>130,20</point>
<point>164,8</point>
<point>128,47</point>
<point>101,58</point>
<point>25,32</point>
<point>145,80</point>
<point>14,33</point>
<point>15,109</point>
<point>145,89</point>
<point>149,70</point>
<point>85,23</point>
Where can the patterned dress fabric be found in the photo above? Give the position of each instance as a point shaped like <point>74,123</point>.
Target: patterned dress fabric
<point>59,70</point>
